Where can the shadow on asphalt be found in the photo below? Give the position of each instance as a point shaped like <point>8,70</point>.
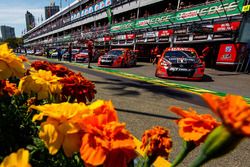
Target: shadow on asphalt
<point>206,78</point>
<point>146,114</point>
<point>120,85</point>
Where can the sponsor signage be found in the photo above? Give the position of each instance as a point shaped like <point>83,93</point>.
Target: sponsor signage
<point>210,11</point>
<point>151,34</point>
<point>165,39</point>
<point>182,38</point>
<point>97,6</point>
<point>165,33</point>
<point>91,9</point>
<point>151,40</point>
<point>224,35</point>
<point>107,38</point>
<point>130,36</point>
<point>100,39</point>
<point>180,31</point>
<point>200,37</point>
<point>233,26</point>
<point>141,40</point>
<point>246,8</point>
<point>139,35</point>
<point>120,37</point>
<point>121,27</point>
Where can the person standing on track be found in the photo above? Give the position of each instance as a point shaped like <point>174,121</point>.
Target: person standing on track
<point>70,52</point>
<point>90,51</point>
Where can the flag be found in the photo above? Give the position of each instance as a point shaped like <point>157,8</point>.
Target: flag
<point>109,14</point>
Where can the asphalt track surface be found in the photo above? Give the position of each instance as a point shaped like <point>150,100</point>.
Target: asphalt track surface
<point>142,105</point>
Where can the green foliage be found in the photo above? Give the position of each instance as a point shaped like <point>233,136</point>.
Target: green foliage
<point>16,127</point>
<point>13,42</point>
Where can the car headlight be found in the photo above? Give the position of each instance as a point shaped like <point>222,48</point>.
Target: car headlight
<point>166,63</point>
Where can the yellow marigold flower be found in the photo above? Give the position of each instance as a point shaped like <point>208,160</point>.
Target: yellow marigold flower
<point>60,128</point>
<point>233,111</point>
<point>10,64</point>
<point>19,159</point>
<point>41,82</point>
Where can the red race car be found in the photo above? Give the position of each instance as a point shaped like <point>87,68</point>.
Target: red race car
<point>180,63</point>
<point>82,56</point>
<point>118,58</point>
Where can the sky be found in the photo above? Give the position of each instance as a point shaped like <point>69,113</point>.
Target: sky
<point>12,12</point>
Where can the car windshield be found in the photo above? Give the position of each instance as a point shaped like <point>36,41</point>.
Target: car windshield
<point>75,51</point>
<point>84,51</point>
<point>116,52</point>
<point>180,54</point>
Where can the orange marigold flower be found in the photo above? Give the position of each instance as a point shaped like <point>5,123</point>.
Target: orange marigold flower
<point>194,127</point>
<point>77,87</point>
<point>233,111</point>
<point>23,58</point>
<point>106,141</point>
<point>18,159</point>
<point>58,70</point>
<point>157,142</point>
<point>41,65</point>
<point>8,88</point>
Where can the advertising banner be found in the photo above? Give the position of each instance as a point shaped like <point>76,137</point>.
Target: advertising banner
<point>130,36</point>
<point>233,26</point>
<point>102,4</point>
<point>165,33</point>
<point>91,9</point>
<point>108,3</point>
<point>86,12</point>
<point>151,34</point>
<point>200,37</point>
<point>82,13</point>
<point>227,54</point>
<point>107,39</point>
<point>121,27</point>
<point>97,7</point>
<point>210,11</point>
<point>120,37</point>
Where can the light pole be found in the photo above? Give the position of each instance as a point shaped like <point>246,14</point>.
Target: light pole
<point>178,5</point>
<point>137,17</point>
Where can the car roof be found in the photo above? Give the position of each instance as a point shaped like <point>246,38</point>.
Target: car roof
<point>180,49</point>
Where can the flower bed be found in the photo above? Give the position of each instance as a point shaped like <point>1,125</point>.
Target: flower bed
<point>48,119</point>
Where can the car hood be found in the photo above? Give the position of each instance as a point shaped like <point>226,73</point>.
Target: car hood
<point>82,55</point>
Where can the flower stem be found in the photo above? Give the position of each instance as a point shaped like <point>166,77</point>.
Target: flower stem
<point>186,148</point>
<point>218,143</point>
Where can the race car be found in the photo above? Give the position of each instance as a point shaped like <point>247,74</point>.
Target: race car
<point>180,63</point>
<point>65,56</point>
<point>82,56</point>
<point>122,57</point>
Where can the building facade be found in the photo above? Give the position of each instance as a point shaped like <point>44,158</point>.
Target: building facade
<point>7,32</point>
<point>142,24</point>
<point>30,20</point>
<point>51,10</point>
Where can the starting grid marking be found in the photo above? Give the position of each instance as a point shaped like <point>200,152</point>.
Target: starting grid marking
<point>155,81</point>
